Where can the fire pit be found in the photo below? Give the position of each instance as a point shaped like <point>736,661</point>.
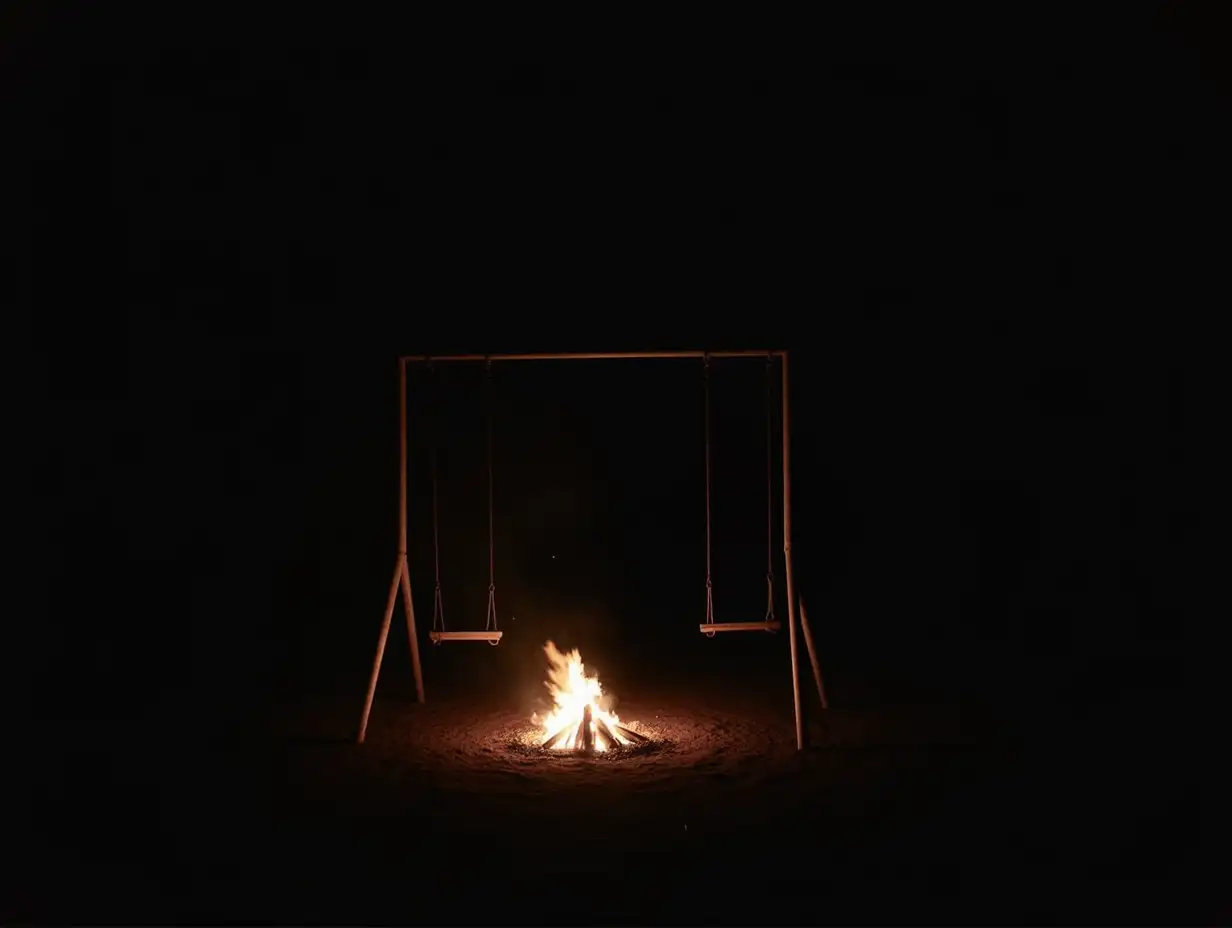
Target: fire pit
<point>581,719</point>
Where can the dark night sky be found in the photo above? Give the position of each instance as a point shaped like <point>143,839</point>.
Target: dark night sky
<point>974,259</point>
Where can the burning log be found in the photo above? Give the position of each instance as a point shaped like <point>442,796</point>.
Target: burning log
<point>551,742</point>
<point>631,734</point>
<point>612,740</point>
<point>584,735</point>
<point>575,738</point>
<point>587,730</point>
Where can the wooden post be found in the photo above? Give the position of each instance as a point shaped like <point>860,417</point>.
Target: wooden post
<point>812,652</point>
<point>401,572</point>
<point>403,465</point>
<point>791,585</point>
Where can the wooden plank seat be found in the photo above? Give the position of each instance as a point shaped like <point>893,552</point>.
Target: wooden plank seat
<point>710,628</point>
<point>490,637</point>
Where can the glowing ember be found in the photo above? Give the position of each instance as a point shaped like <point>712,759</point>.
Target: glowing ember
<point>580,719</point>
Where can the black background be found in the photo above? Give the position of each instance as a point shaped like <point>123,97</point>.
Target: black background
<point>976,239</point>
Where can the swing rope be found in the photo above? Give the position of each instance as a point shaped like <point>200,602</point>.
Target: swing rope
<point>709,583</point>
<point>769,488</point>
<point>491,620</point>
<point>438,604</point>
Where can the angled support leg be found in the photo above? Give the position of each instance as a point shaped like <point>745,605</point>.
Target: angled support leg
<point>812,653</point>
<point>399,568</point>
<point>410,628</point>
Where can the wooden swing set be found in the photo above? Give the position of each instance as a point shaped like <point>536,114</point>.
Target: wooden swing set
<point>491,633</point>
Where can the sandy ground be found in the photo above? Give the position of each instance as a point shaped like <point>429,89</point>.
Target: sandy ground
<point>909,814</point>
<point>717,813</point>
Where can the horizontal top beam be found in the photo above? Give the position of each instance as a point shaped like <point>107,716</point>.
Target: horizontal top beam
<point>590,356</point>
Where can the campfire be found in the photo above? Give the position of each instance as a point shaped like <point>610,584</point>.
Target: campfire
<point>580,719</point>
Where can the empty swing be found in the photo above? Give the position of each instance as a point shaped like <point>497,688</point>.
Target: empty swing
<point>769,623</point>
<point>491,634</point>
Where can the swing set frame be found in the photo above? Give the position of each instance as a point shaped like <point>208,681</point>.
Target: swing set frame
<point>401,574</point>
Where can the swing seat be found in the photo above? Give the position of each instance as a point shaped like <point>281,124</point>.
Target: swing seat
<point>492,638</point>
<point>708,629</point>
